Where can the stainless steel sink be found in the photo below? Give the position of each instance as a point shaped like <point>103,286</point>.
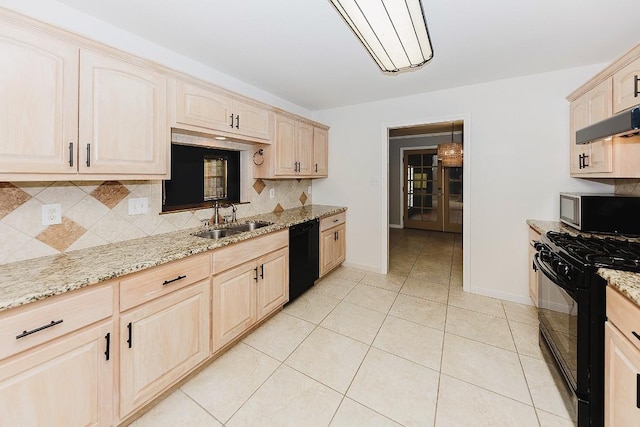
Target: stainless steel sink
<point>217,234</point>
<point>250,226</point>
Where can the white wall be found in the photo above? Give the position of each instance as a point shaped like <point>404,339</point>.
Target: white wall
<point>62,16</point>
<point>516,161</point>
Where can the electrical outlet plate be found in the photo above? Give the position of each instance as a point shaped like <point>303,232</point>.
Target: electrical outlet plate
<point>272,193</point>
<point>309,190</point>
<point>138,206</point>
<point>51,214</point>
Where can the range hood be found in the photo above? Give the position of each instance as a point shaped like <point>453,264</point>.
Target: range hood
<point>626,123</point>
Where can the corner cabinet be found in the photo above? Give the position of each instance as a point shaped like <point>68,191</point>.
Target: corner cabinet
<point>613,90</point>
<point>622,362</point>
<point>332,242</point>
<point>71,112</point>
<point>299,150</point>
<point>251,281</point>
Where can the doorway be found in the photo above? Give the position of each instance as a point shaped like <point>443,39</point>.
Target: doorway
<point>432,192</point>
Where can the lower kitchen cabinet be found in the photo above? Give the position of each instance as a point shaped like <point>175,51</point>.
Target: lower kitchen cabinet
<point>533,273</point>
<point>161,341</point>
<point>273,286</point>
<point>66,382</point>
<point>332,242</point>
<point>622,362</point>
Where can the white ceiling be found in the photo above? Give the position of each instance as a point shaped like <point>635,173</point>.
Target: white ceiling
<point>302,51</point>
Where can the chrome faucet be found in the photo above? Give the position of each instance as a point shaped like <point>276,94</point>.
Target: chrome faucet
<point>216,211</point>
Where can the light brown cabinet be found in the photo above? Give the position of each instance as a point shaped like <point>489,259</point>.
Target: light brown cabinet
<point>332,242</point>
<point>622,362</point>
<point>199,107</point>
<point>320,152</point>
<point>534,236</point>
<point>249,283</point>
<point>626,87</point>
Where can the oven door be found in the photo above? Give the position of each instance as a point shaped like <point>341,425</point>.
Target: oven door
<point>563,312</point>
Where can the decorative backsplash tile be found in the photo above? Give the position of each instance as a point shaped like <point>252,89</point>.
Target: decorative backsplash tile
<point>628,187</point>
<point>96,213</point>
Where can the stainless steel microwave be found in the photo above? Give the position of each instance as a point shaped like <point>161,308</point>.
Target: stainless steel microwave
<point>601,213</point>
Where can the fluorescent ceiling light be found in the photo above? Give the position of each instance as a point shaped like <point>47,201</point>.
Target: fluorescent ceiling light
<point>393,31</point>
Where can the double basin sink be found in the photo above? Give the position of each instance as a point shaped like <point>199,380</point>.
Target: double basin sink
<point>219,233</point>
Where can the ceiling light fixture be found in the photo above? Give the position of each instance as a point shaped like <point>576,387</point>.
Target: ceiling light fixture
<point>450,153</point>
<point>393,31</point>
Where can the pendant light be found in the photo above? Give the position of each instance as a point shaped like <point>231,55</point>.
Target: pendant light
<point>450,153</point>
<point>393,31</point>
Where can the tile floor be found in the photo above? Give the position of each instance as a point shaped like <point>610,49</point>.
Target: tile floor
<point>363,349</point>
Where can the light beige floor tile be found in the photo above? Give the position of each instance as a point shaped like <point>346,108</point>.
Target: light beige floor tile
<point>371,297</point>
<point>311,306</point>
<point>390,282</point>
<point>436,275</point>
<point>288,398</point>
<point>328,357</point>
<point>424,289</point>
<point>456,278</point>
<point>422,311</point>
<point>473,302</point>
<point>357,322</point>
<point>463,404</point>
<point>397,388</point>
<point>229,381</point>
<point>347,273</point>
<point>280,335</point>
<point>486,366</point>
<point>351,413</point>
<point>400,269</point>
<point>411,341</point>
<point>548,389</point>
<point>334,287</point>
<point>549,420</point>
<point>176,410</point>
<point>480,327</point>
<point>521,313</point>
<point>526,337</point>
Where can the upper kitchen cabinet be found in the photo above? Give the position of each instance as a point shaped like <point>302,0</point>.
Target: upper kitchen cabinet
<point>613,90</point>
<point>204,108</point>
<point>299,150</point>
<point>72,110</point>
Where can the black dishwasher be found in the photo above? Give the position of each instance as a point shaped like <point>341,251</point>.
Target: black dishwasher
<point>304,249</point>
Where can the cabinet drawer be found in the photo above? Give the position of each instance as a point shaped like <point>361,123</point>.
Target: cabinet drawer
<point>239,253</point>
<point>332,221</point>
<point>25,327</point>
<point>533,235</point>
<point>624,314</point>
<point>147,285</point>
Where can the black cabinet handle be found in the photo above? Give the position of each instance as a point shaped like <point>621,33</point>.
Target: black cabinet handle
<point>256,277</point>
<point>108,338</point>
<point>166,282</point>
<point>237,121</point>
<point>635,334</point>
<point>88,155</point>
<point>316,168</point>
<point>231,117</point>
<point>130,340</point>
<point>584,160</point>
<point>636,92</point>
<point>638,391</point>
<point>71,154</point>
<point>38,329</point>
<point>262,271</point>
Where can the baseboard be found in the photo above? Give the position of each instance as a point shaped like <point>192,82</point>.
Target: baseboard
<point>395,226</point>
<point>500,295</point>
<point>361,267</point>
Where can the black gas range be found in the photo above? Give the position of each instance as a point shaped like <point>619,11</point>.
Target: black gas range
<point>571,310</point>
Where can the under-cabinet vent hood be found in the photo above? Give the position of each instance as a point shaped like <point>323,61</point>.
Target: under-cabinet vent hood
<point>626,123</point>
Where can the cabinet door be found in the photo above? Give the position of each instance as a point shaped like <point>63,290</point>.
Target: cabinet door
<point>234,303</point>
<point>304,139</point>
<point>327,251</point>
<point>251,120</point>
<point>600,108</point>
<point>68,382</point>
<point>273,288</point>
<point>285,142</point>
<point>320,152</point>
<point>579,118</point>
<point>626,87</point>
<point>204,108</point>
<point>123,126</point>
<point>622,380</point>
<point>161,341</point>
<point>533,277</point>
<point>340,247</point>
<point>38,102</point>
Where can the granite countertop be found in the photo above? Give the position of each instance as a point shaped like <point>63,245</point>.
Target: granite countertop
<point>626,282</point>
<point>36,279</point>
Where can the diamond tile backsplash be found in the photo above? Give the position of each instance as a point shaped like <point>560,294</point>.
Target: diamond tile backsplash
<point>96,213</point>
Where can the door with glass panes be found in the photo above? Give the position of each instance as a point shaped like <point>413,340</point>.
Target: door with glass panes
<point>432,193</point>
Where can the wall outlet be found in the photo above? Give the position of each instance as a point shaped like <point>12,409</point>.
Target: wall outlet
<point>51,214</point>
<point>138,206</point>
<point>272,193</point>
<point>309,190</point>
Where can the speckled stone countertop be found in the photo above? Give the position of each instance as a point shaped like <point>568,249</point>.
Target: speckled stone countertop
<point>36,279</point>
<point>628,283</point>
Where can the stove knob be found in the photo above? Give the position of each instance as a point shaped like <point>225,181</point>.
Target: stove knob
<point>563,269</point>
<point>545,255</point>
<point>538,246</point>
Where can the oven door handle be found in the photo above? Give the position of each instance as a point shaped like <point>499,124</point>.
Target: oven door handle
<point>552,276</point>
